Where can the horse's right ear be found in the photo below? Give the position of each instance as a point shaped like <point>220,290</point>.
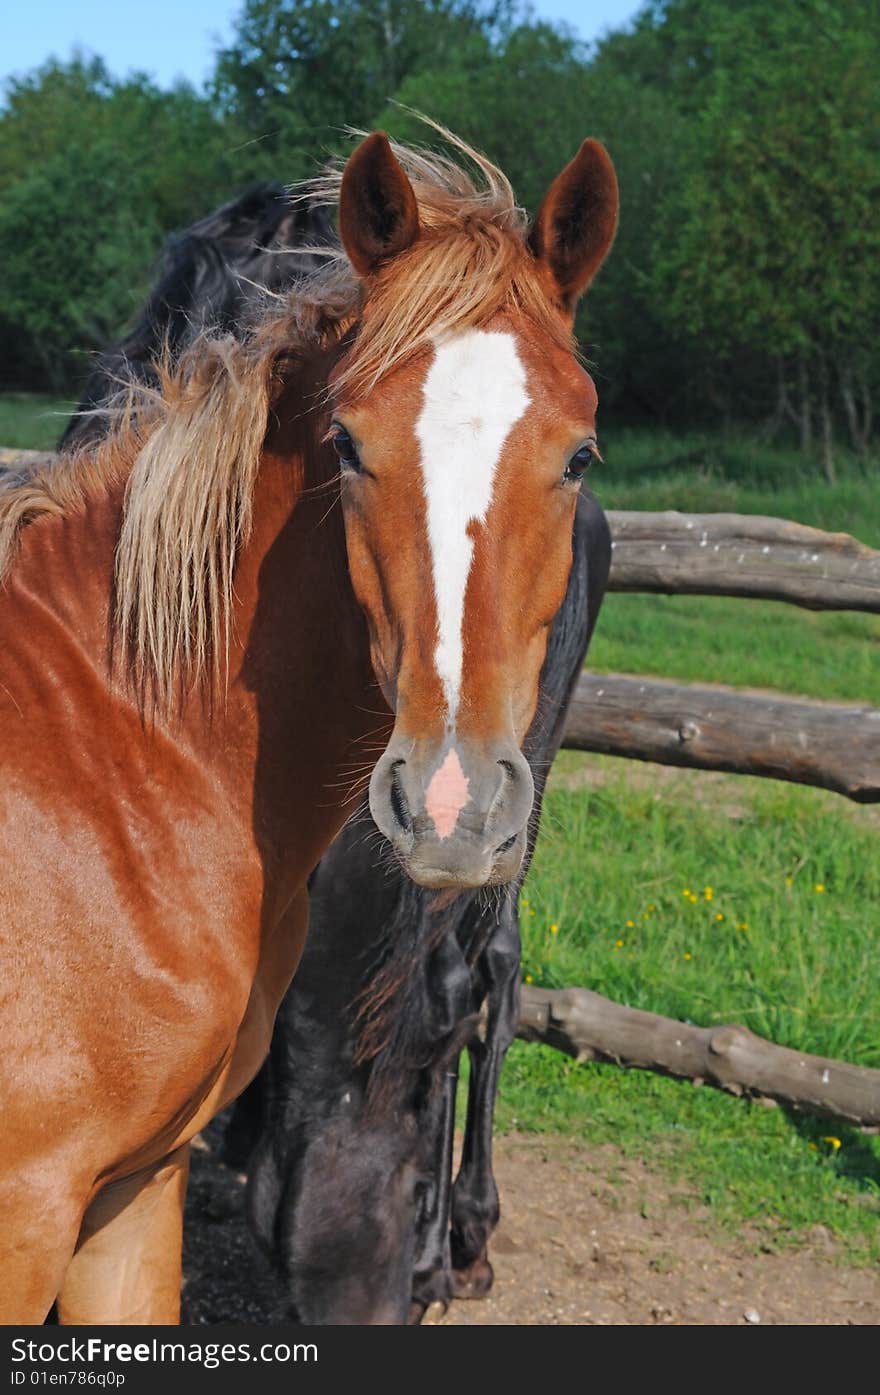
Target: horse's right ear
<point>378,213</point>
<point>577,221</point>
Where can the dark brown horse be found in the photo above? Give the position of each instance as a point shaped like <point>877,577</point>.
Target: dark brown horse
<point>199,649</point>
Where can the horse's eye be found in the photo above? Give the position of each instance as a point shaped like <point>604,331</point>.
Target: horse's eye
<point>345,448</point>
<point>580,463</point>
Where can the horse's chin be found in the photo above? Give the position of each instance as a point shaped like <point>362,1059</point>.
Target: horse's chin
<point>452,867</point>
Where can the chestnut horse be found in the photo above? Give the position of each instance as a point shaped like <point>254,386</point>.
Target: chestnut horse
<point>198,647</point>
<point>347,1130</point>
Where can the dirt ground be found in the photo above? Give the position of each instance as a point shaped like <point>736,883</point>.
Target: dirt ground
<point>586,1237</point>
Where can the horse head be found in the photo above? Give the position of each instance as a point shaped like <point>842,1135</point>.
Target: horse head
<point>463,425</point>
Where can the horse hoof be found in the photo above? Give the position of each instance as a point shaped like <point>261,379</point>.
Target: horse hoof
<point>473,1282</point>
<point>434,1313</point>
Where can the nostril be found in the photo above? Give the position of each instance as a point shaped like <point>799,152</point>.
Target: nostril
<point>399,802</point>
<point>508,767</point>
<point>506,846</point>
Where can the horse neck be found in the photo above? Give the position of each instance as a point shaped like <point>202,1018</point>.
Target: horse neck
<point>302,679</point>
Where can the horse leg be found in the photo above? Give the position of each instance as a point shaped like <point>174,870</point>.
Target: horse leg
<point>432,1263</point>
<point>127,1264</point>
<point>475,1206</point>
<point>39,1224</point>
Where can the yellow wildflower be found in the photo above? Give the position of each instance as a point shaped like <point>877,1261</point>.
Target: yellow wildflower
<point>630,925</point>
<point>618,944</point>
<point>688,955</point>
<point>719,915</point>
<point>707,892</point>
<point>835,1142</point>
<point>554,929</point>
<point>529,978</point>
<point>819,887</point>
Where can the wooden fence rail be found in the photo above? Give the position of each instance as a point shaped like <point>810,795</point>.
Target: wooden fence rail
<point>830,745</point>
<point>730,554</point>
<point>589,1027</point>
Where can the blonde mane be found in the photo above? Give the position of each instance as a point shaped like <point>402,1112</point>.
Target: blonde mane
<point>189,451</point>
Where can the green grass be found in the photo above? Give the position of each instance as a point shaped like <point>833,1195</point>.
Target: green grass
<point>646,469</point>
<point>672,902</point>
<point>760,644</point>
<point>621,843</point>
<point>753,941</point>
<point>31,421</point>
<point>743,643</point>
<point>777,1173</point>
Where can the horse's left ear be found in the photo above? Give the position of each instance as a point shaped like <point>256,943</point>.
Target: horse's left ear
<point>378,213</point>
<point>577,221</point>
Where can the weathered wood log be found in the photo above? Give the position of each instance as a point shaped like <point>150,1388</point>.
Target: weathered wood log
<point>592,1028</point>
<point>830,745</point>
<point>729,554</point>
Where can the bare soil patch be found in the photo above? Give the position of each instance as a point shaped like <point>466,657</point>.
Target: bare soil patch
<point>586,1237</point>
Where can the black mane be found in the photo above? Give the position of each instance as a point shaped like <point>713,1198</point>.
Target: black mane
<point>213,275</point>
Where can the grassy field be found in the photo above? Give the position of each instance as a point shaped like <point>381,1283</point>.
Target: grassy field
<point>30,421</point>
<point>707,897</point>
<point>715,898</point>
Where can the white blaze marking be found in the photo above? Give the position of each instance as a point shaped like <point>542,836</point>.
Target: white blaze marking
<point>474,394</point>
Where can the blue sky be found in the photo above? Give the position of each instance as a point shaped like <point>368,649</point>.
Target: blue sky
<point>172,38</point>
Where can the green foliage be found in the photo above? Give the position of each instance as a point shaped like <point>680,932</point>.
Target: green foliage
<point>73,255</point>
<point>31,421</point>
<point>481,99</point>
<point>742,287</point>
<point>769,242</point>
<point>301,71</point>
<point>93,174</point>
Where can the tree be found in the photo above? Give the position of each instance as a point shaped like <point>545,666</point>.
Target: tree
<point>73,259</point>
<point>93,174</point>
<point>769,244</point>
<point>299,71</point>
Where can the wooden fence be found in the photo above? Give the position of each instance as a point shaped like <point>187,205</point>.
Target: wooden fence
<point>830,745</point>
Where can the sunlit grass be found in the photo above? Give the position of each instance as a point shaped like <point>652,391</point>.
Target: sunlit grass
<point>715,899</point>
<point>765,913</point>
<point>768,1175</point>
